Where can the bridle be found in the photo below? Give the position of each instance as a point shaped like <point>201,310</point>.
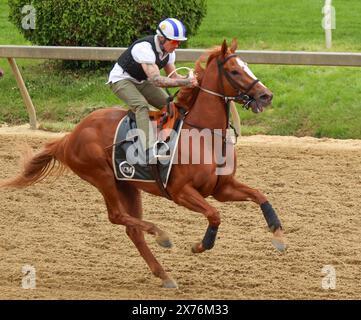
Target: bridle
<point>242,93</point>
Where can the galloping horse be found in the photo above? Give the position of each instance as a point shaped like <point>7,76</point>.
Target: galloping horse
<point>86,152</point>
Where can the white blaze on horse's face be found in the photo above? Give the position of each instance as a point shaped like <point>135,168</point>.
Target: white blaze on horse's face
<point>263,97</point>
<point>244,66</point>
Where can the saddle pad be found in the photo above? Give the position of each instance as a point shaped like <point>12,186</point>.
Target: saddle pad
<point>127,166</point>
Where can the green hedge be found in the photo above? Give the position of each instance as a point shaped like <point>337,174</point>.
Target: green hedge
<point>105,23</point>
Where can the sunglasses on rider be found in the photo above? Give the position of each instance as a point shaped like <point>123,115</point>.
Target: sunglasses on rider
<point>173,42</point>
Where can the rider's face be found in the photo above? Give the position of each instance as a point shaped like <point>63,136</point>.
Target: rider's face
<point>170,45</point>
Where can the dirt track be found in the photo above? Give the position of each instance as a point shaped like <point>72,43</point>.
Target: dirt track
<point>62,229</point>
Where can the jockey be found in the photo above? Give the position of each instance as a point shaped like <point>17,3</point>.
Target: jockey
<point>136,79</point>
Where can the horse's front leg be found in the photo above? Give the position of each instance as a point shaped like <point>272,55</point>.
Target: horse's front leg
<point>232,190</point>
<point>193,200</point>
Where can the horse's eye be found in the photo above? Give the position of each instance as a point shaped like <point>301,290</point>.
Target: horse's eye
<point>235,72</point>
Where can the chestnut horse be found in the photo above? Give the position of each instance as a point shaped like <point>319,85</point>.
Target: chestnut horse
<point>86,152</point>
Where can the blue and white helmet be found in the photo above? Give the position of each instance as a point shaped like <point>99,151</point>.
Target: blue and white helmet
<point>172,29</point>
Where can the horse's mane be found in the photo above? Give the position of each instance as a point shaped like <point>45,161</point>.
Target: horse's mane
<point>187,96</point>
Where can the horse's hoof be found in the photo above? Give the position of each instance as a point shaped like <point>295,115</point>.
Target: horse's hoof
<point>164,241</point>
<point>170,284</point>
<point>279,244</point>
<point>198,248</point>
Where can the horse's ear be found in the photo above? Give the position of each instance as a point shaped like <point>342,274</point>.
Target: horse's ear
<point>234,45</point>
<point>224,48</point>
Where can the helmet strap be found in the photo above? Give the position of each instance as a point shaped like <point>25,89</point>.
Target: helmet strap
<point>162,42</point>
<point>162,33</point>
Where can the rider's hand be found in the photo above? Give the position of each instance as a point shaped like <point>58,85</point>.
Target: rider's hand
<point>193,80</point>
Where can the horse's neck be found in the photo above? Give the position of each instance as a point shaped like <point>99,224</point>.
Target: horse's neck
<point>208,111</point>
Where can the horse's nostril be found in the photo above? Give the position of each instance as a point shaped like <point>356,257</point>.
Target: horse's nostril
<point>266,97</point>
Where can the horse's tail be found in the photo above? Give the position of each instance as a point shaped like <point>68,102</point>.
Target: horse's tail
<point>36,167</point>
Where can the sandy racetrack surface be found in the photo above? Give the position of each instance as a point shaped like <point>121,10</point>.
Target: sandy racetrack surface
<point>62,229</point>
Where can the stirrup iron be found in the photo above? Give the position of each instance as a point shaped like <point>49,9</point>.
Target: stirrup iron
<point>158,145</point>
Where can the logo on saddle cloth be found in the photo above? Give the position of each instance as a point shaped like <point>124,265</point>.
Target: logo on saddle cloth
<point>129,161</point>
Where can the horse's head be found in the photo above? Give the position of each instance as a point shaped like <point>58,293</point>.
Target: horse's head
<point>237,80</point>
<point>227,76</point>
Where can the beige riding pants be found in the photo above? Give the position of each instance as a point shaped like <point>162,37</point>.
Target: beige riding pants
<point>139,98</point>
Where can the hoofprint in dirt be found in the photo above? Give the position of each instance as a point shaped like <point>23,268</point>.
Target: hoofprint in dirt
<point>62,230</point>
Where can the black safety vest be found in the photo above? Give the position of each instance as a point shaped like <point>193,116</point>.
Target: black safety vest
<point>134,68</point>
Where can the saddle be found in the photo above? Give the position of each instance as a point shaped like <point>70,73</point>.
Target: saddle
<point>169,121</point>
<point>166,118</point>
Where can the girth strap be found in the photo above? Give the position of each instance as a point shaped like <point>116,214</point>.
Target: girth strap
<point>158,179</point>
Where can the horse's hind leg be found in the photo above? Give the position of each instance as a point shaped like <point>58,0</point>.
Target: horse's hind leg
<point>131,198</point>
<point>85,155</point>
<point>232,190</point>
<point>125,208</point>
<point>193,200</point>
<point>89,161</point>
<point>92,166</point>
<point>105,182</point>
